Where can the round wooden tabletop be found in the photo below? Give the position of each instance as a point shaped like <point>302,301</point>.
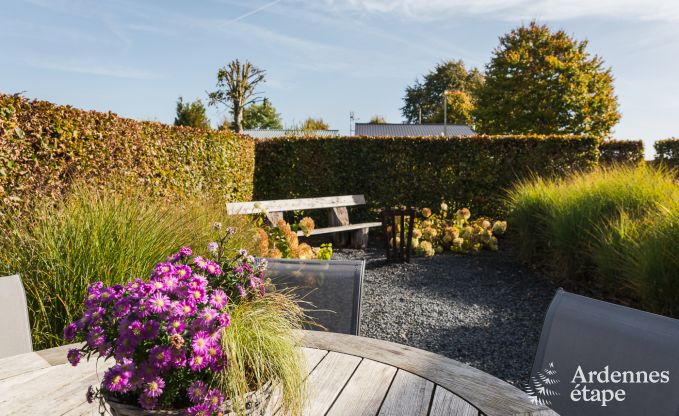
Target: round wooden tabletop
<point>348,375</point>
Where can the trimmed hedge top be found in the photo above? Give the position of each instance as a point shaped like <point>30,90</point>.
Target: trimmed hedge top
<point>467,171</point>
<point>667,152</point>
<point>44,148</point>
<point>621,152</point>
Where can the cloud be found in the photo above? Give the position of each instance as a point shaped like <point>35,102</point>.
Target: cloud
<point>92,68</point>
<point>655,10</point>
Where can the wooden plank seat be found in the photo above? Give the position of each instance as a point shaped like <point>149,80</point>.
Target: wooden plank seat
<point>338,216</point>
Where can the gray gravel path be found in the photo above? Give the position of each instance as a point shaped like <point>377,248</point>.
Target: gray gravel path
<point>485,310</point>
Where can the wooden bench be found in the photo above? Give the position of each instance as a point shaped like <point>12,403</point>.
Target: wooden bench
<point>338,216</point>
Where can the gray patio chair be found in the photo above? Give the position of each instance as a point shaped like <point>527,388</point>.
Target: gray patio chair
<point>591,335</point>
<point>15,328</point>
<point>332,288</point>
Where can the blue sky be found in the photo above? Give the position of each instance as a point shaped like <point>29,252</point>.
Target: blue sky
<point>323,58</point>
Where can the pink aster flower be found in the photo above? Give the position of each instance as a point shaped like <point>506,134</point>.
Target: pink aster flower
<point>160,356</point>
<point>175,325</point>
<point>148,402</point>
<point>218,299</point>
<point>154,387</point>
<point>200,262</point>
<point>158,303</point>
<point>199,410</point>
<point>183,272</point>
<point>214,269</point>
<point>197,391</point>
<point>198,362</point>
<point>200,342</point>
<point>214,399</point>
<point>73,356</point>
<point>184,308</point>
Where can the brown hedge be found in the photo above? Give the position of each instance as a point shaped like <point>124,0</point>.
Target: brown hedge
<point>667,152</point>
<point>44,148</point>
<point>422,171</point>
<point>621,152</point>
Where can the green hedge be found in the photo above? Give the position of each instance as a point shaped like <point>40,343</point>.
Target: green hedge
<point>422,171</point>
<point>44,148</point>
<point>667,152</point>
<point>621,152</point>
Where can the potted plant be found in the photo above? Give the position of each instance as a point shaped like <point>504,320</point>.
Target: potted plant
<point>201,336</point>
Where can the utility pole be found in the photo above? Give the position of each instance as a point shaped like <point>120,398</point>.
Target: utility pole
<point>445,113</point>
<point>419,107</point>
<point>351,122</point>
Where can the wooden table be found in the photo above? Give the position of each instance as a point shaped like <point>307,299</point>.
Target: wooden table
<point>348,375</point>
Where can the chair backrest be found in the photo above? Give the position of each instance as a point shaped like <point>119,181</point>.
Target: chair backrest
<point>631,350</point>
<point>333,289</point>
<point>14,324</point>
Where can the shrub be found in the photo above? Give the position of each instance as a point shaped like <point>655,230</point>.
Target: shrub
<point>93,236</point>
<point>604,228</point>
<point>456,232</point>
<point>621,152</point>
<point>420,171</point>
<point>45,148</point>
<point>667,152</point>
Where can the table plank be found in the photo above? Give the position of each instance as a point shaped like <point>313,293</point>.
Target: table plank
<point>46,388</point>
<point>446,403</point>
<point>327,380</point>
<point>490,395</point>
<point>20,364</point>
<point>312,357</point>
<point>408,395</point>
<point>365,391</point>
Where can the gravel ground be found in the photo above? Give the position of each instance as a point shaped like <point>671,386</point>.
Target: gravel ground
<point>485,310</point>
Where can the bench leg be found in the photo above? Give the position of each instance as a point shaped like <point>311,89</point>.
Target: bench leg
<point>339,216</point>
<point>359,238</point>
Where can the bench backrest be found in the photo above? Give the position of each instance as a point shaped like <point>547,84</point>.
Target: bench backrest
<point>332,288</point>
<point>14,324</point>
<point>591,334</point>
<point>280,205</point>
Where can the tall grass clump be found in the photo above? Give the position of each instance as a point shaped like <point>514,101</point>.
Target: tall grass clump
<point>262,346</point>
<point>92,235</point>
<point>589,226</point>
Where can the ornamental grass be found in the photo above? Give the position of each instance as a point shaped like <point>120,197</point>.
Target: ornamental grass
<point>613,230</point>
<point>96,236</point>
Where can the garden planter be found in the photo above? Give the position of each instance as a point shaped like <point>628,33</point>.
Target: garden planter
<point>255,405</point>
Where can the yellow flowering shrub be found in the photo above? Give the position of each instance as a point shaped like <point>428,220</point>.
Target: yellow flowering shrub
<point>435,233</point>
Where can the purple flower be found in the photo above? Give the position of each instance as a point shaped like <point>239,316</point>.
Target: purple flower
<point>214,353</point>
<point>197,282</point>
<point>218,299</point>
<point>158,303</point>
<point>70,331</point>
<point>116,380</point>
<point>197,391</point>
<point>197,295</point>
<point>200,262</point>
<point>179,358</point>
<point>160,356</point>
<point>212,247</point>
<point>214,399</point>
<point>148,402</point>
<point>241,291</point>
<point>214,269</point>
<point>224,320</point>
<point>183,272</point>
<point>200,342</point>
<point>171,283</point>
<point>95,338</point>
<point>199,410</point>
<point>162,269</point>
<point>206,316</point>
<point>185,251</point>
<point>95,314</point>
<point>150,330</point>
<point>175,325</point>
<point>154,387</point>
<point>198,362</point>
<point>73,356</point>
<point>184,308</point>
<point>122,307</point>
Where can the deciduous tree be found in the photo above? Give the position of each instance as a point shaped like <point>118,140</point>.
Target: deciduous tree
<point>236,88</point>
<point>262,116</point>
<point>544,82</point>
<point>427,95</point>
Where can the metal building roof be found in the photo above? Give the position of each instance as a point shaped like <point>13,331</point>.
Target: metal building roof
<point>271,133</point>
<point>411,130</point>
